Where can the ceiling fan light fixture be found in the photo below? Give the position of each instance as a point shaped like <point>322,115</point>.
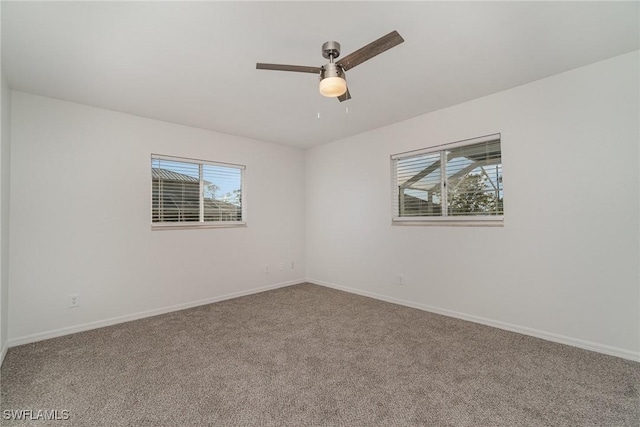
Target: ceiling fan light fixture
<point>332,81</point>
<point>333,86</point>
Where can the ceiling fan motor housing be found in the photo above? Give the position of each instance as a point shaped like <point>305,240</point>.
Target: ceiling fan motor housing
<point>332,70</point>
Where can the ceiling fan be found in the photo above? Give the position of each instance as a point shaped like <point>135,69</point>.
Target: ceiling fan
<point>333,81</point>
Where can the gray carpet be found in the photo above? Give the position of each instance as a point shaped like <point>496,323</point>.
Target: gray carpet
<point>306,355</point>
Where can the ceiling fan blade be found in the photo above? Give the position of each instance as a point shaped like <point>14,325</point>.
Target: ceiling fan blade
<point>345,96</point>
<point>296,68</point>
<point>369,51</point>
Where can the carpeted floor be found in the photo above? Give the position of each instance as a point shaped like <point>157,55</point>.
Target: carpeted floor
<point>306,355</point>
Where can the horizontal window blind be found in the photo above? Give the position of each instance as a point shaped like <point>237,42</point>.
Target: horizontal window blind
<point>420,182</point>
<point>222,193</point>
<point>459,180</point>
<point>188,191</point>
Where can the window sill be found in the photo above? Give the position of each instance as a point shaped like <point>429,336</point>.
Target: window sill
<point>196,225</point>
<point>485,221</point>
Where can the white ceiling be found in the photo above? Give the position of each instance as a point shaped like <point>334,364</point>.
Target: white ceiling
<point>193,63</point>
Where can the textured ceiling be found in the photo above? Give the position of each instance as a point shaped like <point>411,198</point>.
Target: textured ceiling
<point>193,63</point>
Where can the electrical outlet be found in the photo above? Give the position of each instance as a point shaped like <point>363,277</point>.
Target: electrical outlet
<point>293,265</point>
<point>266,269</point>
<point>400,279</point>
<point>74,300</point>
<point>281,266</point>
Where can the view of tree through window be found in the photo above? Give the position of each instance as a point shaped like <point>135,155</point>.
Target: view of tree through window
<point>193,191</point>
<point>473,195</point>
<point>463,181</point>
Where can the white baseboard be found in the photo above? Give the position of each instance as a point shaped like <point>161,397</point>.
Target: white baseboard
<point>3,353</point>
<point>26,339</point>
<point>562,339</point>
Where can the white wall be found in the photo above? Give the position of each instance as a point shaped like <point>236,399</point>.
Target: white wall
<point>565,264</point>
<point>80,219</point>
<point>5,162</point>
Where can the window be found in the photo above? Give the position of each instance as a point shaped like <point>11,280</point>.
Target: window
<point>458,183</point>
<point>195,193</point>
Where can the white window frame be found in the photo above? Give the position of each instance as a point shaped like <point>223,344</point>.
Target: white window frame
<point>470,220</point>
<point>201,223</point>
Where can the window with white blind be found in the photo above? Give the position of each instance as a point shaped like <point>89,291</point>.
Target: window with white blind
<point>458,183</point>
<point>195,193</point>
